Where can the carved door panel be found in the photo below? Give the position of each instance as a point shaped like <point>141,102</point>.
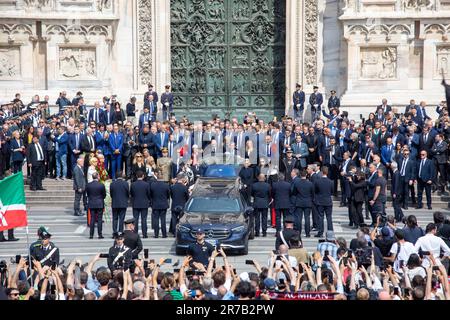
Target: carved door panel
<point>228,56</point>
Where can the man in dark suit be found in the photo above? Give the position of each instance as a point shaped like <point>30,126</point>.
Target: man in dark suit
<point>280,194</point>
<point>140,201</point>
<point>96,114</point>
<point>88,146</point>
<point>288,233</point>
<point>145,117</point>
<point>75,145</point>
<point>347,163</point>
<point>331,159</point>
<point>302,195</point>
<point>396,192</point>
<point>96,193</point>
<point>79,185</point>
<point>314,174</point>
<point>160,196</point>
<point>407,176</point>
<point>108,115</point>
<point>384,106</point>
<point>323,192</point>
<point>412,105</point>
<point>421,112</point>
<point>439,151</point>
<point>247,175</point>
<point>288,164</point>
<point>132,239</point>
<point>36,161</point>
<point>371,189</point>
<point>261,199</point>
<point>120,193</point>
<point>426,140</point>
<point>425,174</point>
<point>180,195</point>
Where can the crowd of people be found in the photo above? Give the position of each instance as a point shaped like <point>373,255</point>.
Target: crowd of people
<point>288,167</point>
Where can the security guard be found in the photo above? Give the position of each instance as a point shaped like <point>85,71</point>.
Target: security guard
<point>132,239</point>
<point>284,236</point>
<point>119,256</point>
<point>200,251</point>
<point>46,253</point>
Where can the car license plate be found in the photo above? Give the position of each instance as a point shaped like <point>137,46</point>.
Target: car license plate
<point>211,242</point>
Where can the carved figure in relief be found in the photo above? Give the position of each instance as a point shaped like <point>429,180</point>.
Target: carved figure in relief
<point>77,62</point>
<point>215,58</point>
<point>389,58</point>
<point>178,59</point>
<point>37,3</point>
<point>197,101</point>
<point>218,83</point>
<point>7,68</point>
<point>103,4</point>
<point>198,7</point>
<point>240,58</point>
<point>240,9</point>
<point>177,9</point>
<point>216,9</point>
<point>260,6</point>
<point>443,65</point>
<point>216,101</point>
<point>416,4</point>
<point>239,82</point>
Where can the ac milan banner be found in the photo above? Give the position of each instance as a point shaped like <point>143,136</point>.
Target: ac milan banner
<point>301,296</point>
<point>13,212</point>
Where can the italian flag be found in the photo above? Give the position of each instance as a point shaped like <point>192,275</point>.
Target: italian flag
<point>13,212</point>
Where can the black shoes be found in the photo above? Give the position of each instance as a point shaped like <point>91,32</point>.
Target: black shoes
<point>419,207</point>
<point>318,236</point>
<point>264,234</point>
<point>430,208</point>
<point>101,237</point>
<point>91,237</point>
<point>13,239</point>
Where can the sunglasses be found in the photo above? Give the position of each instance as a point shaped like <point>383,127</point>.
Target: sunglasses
<point>14,294</point>
<point>138,156</point>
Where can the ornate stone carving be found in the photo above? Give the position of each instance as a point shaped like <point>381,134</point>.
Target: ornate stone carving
<point>378,63</point>
<point>442,61</point>
<point>311,33</point>
<point>9,62</point>
<point>216,9</point>
<point>216,83</point>
<point>417,4</point>
<point>241,101</point>
<point>241,9</point>
<point>145,41</point>
<point>103,4</point>
<point>15,29</point>
<point>87,31</point>
<point>260,33</point>
<point>37,3</point>
<point>240,57</point>
<point>77,63</point>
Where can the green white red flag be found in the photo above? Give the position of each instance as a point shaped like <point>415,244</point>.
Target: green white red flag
<point>13,211</point>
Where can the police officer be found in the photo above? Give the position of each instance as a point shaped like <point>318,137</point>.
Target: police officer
<point>200,251</point>
<point>38,242</point>
<point>119,256</point>
<point>132,239</point>
<point>46,253</point>
<point>285,236</point>
<point>179,194</point>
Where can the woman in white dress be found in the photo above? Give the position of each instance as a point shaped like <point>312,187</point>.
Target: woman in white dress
<point>93,162</point>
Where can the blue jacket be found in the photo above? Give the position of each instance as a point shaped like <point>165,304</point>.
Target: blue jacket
<point>141,119</point>
<point>386,155</point>
<point>280,192</point>
<point>101,116</point>
<point>302,193</point>
<point>302,151</point>
<point>298,98</point>
<point>410,169</point>
<point>99,141</point>
<point>72,142</point>
<point>323,191</point>
<point>427,172</point>
<point>115,142</point>
<point>62,141</point>
<point>167,97</point>
<point>16,155</point>
<point>161,143</point>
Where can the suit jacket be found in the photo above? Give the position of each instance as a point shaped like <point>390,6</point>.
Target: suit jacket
<point>108,118</point>
<point>371,185</point>
<point>179,194</point>
<point>72,142</point>
<point>247,175</point>
<point>302,193</point>
<point>439,152</point>
<point>140,194</point>
<point>399,138</point>
<point>302,151</point>
<point>387,109</point>
<point>32,155</point>
<point>422,113</point>
<point>428,144</point>
<point>85,146</point>
<point>358,190</point>
<point>337,157</point>
<point>141,119</point>
<point>167,97</point>
<point>386,155</point>
<point>101,116</point>
<point>62,141</point>
<point>261,195</point>
<point>280,192</point>
<point>16,155</point>
<point>120,192</point>
<point>316,98</point>
<point>323,191</point>
<point>79,180</point>
<point>96,193</point>
<point>287,168</point>
<point>159,195</point>
<point>427,172</point>
<point>410,169</point>
<point>298,98</point>
<point>334,102</point>
<point>115,142</point>
<point>161,143</point>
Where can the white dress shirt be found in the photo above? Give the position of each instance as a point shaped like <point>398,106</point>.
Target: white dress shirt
<point>433,244</point>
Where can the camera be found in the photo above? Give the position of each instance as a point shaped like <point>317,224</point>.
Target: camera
<point>3,266</point>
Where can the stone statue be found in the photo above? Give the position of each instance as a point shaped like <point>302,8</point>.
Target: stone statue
<point>389,63</point>
<point>103,4</point>
<point>416,4</point>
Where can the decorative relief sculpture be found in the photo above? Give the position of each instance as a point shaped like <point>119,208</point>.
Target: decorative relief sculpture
<point>77,63</point>
<point>378,63</point>
<point>216,57</point>
<point>241,101</point>
<point>177,9</point>
<point>260,33</point>
<point>311,32</point>
<point>240,57</point>
<point>417,4</point>
<point>216,101</point>
<point>216,9</point>
<point>442,61</point>
<point>239,80</point>
<point>260,101</point>
<point>103,4</point>
<point>9,62</point>
<point>145,41</point>
<point>217,82</point>
<point>37,3</point>
<point>240,9</point>
<point>178,58</point>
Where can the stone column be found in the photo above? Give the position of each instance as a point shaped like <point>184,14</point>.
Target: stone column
<point>161,44</point>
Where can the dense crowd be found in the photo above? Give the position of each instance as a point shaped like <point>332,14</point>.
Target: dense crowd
<point>288,167</point>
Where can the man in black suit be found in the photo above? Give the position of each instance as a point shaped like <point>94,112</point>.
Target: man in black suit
<point>331,159</point>
<point>261,200</point>
<point>132,239</point>
<point>140,201</point>
<point>302,194</point>
<point>160,196</point>
<point>314,174</point>
<point>439,151</point>
<point>384,106</point>
<point>36,161</point>
<point>288,164</point>
<point>347,163</point>
<point>96,193</point>
<point>425,174</point>
<point>407,176</point>
<point>396,192</point>
<point>247,175</point>
<point>120,193</point>
<point>280,193</point>
<point>79,185</point>
<point>323,191</point>
<point>288,233</point>
<point>180,194</point>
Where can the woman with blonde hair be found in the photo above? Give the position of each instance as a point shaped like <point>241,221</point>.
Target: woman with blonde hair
<point>17,150</point>
<point>138,165</point>
<point>93,163</point>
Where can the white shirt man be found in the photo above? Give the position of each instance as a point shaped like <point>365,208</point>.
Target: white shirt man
<point>430,242</point>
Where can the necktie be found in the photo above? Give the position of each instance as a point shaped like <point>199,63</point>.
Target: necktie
<point>425,138</point>
<point>422,163</point>
<point>423,113</point>
<point>268,150</point>
<point>162,138</point>
<point>76,141</point>
<point>368,155</point>
<point>91,143</point>
<point>170,149</point>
